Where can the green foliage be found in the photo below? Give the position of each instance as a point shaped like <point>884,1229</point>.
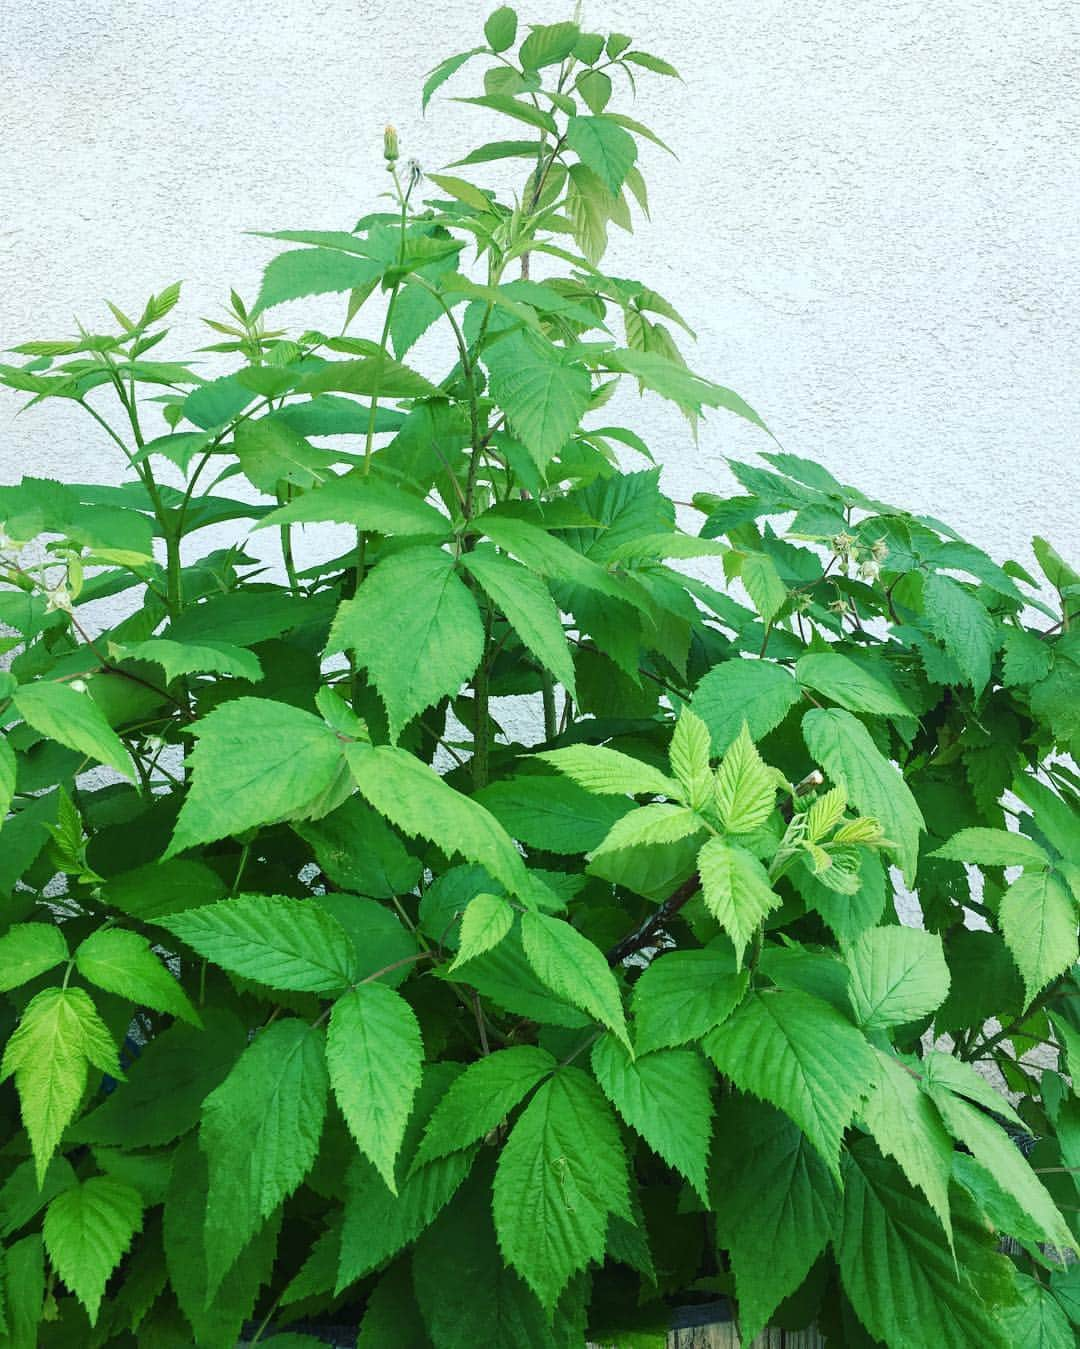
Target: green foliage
<point>328,992</point>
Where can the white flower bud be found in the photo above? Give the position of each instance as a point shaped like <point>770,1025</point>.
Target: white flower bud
<point>78,685</point>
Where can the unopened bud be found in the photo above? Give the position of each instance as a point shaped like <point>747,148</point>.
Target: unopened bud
<point>58,598</point>
<point>416,173</point>
<point>880,549</point>
<point>390,144</point>
<point>78,685</point>
<point>842,543</point>
<point>868,570</point>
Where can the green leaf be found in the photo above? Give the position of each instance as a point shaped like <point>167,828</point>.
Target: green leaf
<point>182,658</point>
<point>87,1230</point>
<point>1065,1285</point>
<point>682,386</point>
<point>481,1098</point>
<point>682,995</point>
<point>737,891</point>
<point>1038,921</point>
<point>516,108</point>
<point>752,691</point>
<point>543,391</point>
<point>366,503</point>
<point>27,950</point>
<point>595,88</point>
<point>1027,658</point>
<point>648,825</point>
<point>574,969</point>
<point>438,635</point>
<point>458,1255</point>
<point>158,888</point>
<point>313,271</point>
<point>418,802</point>
<point>359,851</point>
<point>270,452</point>
<point>486,154</point>
<point>667,1097</point>
<point>260,1135</point>
<point>374,1054</point>
<point>560,1174</point>
<point>373,375</point>
<point>993,848</point>
<point>763,584</point>
<point>551,813</point>
<point>501,29</point>
<point>282,943</point>
<point>166,1085</point>
<point>801,1055</point>
<point>607,772</point>
<point>745,788</point>
<point>75,720</point>
<point>1038,1322</point>
<point>843,747</point>
<point>993,1149</point>
<point>906,1284</point>
<point>653,63</point>
<point>962,625</point>
<point>59,1036</point>
<point>529,609</point>
<point>7,777</point>
<point>689,754</point>
<point>486,921</point>
<point>846,682</point>
<point>24,1261</point>
<point>898,974</point>
<point>443,71</point>
<point>943,1070</point>
<point>775,1203</point>
<point>906,1125</point>
<point>256,762</point>
<point>603,146</point>
<point>123,963</point>
<point>547,45</point>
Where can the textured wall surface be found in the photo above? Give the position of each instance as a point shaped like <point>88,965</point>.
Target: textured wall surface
<point>873,224</point>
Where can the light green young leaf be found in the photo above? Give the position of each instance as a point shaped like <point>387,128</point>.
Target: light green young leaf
<point>737,891</point>
<point>260,1135</point>
<point>313,271</point>
<point>682,995</point>
<point>751,692</point>
<point>775,1203</point>
<point>486,921</point>
<point>552,813</point>
<point>667,1097</point>
<point>256,762</point>
<point>607,772</point>
<point>603,146</point>
<point>906,1125</point>
<point>846,682</point>
<point>574,969</point>
<point>418,802</point>
<point>283,943</point>
<point>27,950</point>
<point>75,720</point>
<point>87,1229</point>
<point>942,1070</point>
<point>367,503</point>
<point>962,625</point>
<point>59,1036</point>
<point>898,974</point>
<point>681,385</point>
<point>843,747</point>
<point>909,1287</point>
<point>269,451</point>
<point>992,1148</point>
<point>481,1098</point>
<point>658,823</point>
<point>181,658</point>
<point>374,1054</point>
<point>1038,922</point>
<point>501,28</point>
<point>123,963</point>
<point>745,787</point>
<point>529,609</point>
<point>547,44</point>
<point>560,1174</point>
<point>438,635</point>
<point>690,751</point>
<point>801,1055</point>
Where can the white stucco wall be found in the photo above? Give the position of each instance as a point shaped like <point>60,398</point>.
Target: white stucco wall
<point>874,224</point>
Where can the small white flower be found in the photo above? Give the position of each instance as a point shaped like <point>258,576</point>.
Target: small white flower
<point>78,685</point>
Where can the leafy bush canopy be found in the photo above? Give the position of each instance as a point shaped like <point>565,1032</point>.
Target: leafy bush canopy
<point>326,997</point>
